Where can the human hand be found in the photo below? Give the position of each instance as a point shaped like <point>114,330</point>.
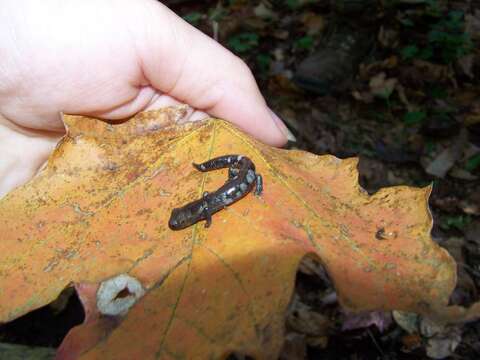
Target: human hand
<point>110,59</point>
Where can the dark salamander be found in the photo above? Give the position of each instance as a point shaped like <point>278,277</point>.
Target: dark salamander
<point>242,178</point>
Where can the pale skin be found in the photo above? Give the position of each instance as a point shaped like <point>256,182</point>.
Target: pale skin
<point>110,59</point>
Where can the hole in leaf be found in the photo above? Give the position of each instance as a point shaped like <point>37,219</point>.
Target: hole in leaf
<point>48,325</point>
<point>313,304</point>
<point>123,293</point>
<point>313,282</point>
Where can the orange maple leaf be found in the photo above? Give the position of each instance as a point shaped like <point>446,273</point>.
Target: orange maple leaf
<point>101,206</point>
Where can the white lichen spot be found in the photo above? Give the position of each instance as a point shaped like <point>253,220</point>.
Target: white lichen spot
<point>116,295</point>
<point>243,187</point>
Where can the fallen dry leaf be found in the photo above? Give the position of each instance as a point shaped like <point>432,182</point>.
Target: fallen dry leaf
<point>441,340</point>
<point>380,319</point>
<point>433,72</point>
<point>381,86</point>
<point>472,24</point>
<point>100,208</point>
<point>295,347</point>
<point>313,23</point>
<point>465,64</point>
<point>444,161</point>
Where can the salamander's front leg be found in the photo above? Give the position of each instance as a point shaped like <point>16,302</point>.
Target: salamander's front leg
<point>208,218</point>
<point>258,185</point>
<point>206,211</point>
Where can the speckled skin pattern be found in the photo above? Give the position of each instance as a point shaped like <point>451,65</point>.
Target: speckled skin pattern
<point>242,178</point>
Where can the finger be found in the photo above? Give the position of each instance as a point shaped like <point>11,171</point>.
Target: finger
<point>23,153</point>
<point>183,62</point>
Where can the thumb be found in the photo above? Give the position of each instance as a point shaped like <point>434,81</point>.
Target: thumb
<point>184,63</point>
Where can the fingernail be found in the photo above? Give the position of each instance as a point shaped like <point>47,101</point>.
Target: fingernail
<point>282,127</point>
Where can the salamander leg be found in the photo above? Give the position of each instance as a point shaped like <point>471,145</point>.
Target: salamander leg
<point>208,218</point>
<point>206,210</point>
<point>258,185</point>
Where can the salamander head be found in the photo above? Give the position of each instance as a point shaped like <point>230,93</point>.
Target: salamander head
<point>179,219</point>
